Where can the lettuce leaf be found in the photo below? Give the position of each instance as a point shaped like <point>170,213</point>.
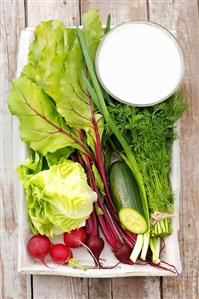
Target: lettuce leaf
<point>58,199</point>
<point>30,166</point>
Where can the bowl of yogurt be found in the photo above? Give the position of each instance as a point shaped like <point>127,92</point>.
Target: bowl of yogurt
<point>140,63</point>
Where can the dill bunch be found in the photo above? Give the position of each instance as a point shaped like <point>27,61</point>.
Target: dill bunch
<point>150,134</point>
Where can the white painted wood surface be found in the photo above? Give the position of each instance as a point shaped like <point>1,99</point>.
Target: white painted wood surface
<point>181,15</point>
<point>13,285</point>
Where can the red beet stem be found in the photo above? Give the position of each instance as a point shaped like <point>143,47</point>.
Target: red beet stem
<point>80,160</point>
<point>97,264</point>
<point>111,231</point>
<point>106,216</point>
<point>128,237</point>
<point>92,225</point>
<point>99,157</point>
<point>163,268</point>
<point>176,271</point>
<point>95,224</point>
<point>110,239</point>
<point>100,165</point>
<point>89,225</point>
<point>106,232</point>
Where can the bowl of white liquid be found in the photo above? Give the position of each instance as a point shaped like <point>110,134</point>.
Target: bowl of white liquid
<point>139,63</point>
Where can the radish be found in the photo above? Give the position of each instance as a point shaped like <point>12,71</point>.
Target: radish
<point>60,254</point>
<point>75,238</point>
<point>38,247</point>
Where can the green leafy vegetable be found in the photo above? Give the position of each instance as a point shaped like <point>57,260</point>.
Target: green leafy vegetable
<point>47,55</point>
<point>90,134</point>
<point>98,179</point>
<point>47,33</point>
<point>93,31</point>
<point>58,199</point>
<point>99,211</point>
<point>41,126</point>
<point>30,166</point>
<point>54,158</point>
<point>60,69</point>
<point>149,132</point>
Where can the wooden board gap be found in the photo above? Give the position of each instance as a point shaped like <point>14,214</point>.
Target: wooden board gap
<point>161,288</point>
<point>148,10</point>
<point>31,287</point>
<point>80,12</point>
<point>26,13</point>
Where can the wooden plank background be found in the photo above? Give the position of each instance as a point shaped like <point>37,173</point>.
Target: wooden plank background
<point>179,15</point>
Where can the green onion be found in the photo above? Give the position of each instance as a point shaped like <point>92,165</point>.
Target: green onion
<point>108,24</point>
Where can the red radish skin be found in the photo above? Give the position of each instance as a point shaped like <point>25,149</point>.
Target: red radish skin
<point>60,254</point>
<point>96,245</point>
<point>38,247</point>
<point>75,238</point>
<point>123,253</point>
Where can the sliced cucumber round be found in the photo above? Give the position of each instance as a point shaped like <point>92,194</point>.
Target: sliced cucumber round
<point>133,220</point>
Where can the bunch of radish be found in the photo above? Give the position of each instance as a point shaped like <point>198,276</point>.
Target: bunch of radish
<point>39,246</point>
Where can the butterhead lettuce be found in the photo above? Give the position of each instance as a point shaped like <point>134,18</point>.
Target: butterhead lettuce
<point>58,199</point>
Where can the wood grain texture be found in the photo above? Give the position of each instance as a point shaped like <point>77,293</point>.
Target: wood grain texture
<point>134,287</point>
<point>182,16</point>
<point>57,287</point>
<point>120,10</point>
<point>13,285</point>
<point>100,288</point>
<point>65,10</point>
<point>52,287</point>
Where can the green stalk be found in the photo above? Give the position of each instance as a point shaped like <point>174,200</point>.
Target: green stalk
<point>92,92</point>
<point>102,107</point>
<point>162,228</point>
<point>154,244</point>
<point>108,24</point>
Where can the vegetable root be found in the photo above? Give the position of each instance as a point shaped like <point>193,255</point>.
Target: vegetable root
<point>38,247</point>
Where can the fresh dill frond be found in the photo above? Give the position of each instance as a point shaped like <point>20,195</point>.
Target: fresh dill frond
<point>150,134</point>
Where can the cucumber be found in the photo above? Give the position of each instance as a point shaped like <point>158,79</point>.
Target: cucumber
<point>133,220</point>
<point>124,188</point>
<point>126,195</point>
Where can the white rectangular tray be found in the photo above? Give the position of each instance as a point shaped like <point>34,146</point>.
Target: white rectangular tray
<point>170,254</point>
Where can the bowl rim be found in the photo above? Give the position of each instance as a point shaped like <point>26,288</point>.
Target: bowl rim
<point>154,24</point>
